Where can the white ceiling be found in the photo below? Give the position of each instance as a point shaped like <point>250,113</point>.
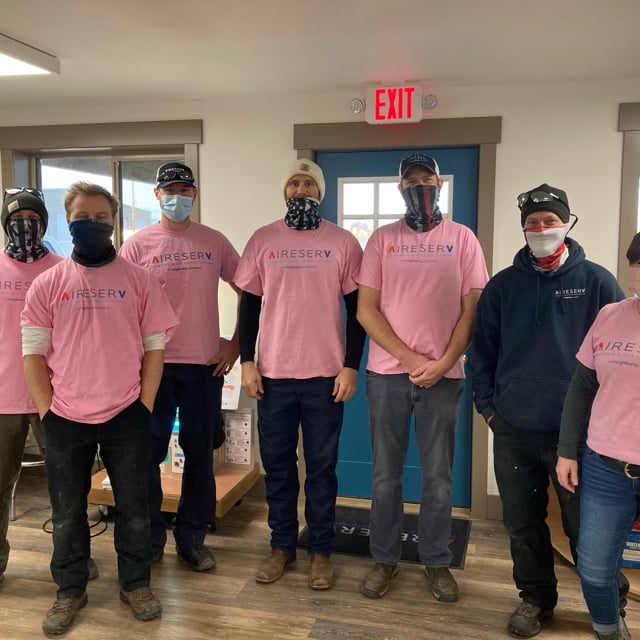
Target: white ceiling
<point>120,51</point>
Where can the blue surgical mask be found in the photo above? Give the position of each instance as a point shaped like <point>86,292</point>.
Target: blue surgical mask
<point>176,208</point>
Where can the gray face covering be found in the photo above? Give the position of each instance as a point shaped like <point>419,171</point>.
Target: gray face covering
<point>25,239</point>
<point>422,212</point>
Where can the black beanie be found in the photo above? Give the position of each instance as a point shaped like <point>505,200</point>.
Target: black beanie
<point>558,204</point>
<point>23,200</point>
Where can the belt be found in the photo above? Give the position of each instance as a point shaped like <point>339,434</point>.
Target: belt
<point>632,471</point>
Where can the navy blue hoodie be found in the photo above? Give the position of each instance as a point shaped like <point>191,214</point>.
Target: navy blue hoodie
<point>528,328</point>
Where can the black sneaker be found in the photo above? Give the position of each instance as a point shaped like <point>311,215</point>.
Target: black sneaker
<point>61,615</point>
<point>199,558</point>
<point>526,621</point>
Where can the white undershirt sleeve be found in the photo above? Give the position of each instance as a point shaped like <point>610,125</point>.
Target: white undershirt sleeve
<point>154,341</point>
<point>35,340</point>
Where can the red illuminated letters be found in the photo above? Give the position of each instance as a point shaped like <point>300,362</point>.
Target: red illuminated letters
<point>387,105</point>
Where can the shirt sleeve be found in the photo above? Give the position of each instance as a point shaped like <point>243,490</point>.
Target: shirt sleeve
<point>576,411</point>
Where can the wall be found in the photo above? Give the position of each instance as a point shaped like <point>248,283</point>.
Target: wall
<point>565,134</point>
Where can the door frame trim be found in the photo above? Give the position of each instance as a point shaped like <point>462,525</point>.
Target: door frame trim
<point>482,132</point>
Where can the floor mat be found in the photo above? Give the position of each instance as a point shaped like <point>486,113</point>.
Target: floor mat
<point>352,535</point>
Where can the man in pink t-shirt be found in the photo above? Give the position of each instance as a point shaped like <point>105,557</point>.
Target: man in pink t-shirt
<point>190,259</point>
<point>294,274</point>
<point>24,220</point>
<point>420,280</point>
<point>93,333</point>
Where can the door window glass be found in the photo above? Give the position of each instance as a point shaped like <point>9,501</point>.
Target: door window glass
<point>364,204</point>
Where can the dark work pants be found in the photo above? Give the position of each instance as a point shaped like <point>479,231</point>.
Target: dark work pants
<point>523,462</point>
<point>287,405</point>
<point>71,449</point>
<point>198,395</point>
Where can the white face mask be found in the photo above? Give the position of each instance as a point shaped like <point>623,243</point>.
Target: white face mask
<point>544,243</point>
<point>634,278</point>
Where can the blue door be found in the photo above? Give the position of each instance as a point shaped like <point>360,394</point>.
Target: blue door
<point>354,464</point>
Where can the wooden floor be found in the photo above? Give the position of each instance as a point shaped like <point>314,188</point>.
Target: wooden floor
<point>228,604</point>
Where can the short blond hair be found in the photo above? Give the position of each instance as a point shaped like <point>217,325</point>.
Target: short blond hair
<point>89,189</point>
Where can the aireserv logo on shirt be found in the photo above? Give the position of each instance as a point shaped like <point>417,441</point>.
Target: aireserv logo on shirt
<point>420,248</point>
<point>14,285</point>
<point>182,257</point>
<point>617,347</point>
<point>298,254</point>
<point>93,293</point>
<point>569,293</point>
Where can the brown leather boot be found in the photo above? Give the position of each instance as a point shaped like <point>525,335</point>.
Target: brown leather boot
<point>273,566</point>
<point>376,582</point>
<point>320,571</point>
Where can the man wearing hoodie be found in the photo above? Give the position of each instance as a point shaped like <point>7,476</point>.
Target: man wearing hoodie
<point>530,321</point>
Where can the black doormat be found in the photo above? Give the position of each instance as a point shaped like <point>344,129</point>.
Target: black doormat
<point>352,535</point>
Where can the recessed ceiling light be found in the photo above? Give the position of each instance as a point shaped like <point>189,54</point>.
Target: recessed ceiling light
<point>17,58</point>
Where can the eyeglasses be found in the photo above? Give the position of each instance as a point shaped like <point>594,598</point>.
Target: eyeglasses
<point>15,190</point>
<point>178,174</point>
<point>536,196</point>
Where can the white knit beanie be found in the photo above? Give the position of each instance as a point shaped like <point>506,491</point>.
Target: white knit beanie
<point>305,168</point>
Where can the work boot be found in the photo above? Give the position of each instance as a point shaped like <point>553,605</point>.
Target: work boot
<point>273,566</point>
<point>199,558</point>
<point>144,605</point>
<point>376,582</point>
<point>443,585</point>
<point>320,572</point>
<point>61,615</point>
<point>527,619</point>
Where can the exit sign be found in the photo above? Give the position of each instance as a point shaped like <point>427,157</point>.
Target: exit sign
<point>393,105</point>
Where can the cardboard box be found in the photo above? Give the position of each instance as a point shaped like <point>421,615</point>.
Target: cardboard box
<point>177,454</point>
<point>631,551</point>
<point>238,446</point>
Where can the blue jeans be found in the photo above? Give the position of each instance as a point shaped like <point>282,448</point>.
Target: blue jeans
<point>71,449</point>
<point>609,505</point>
<point>198,395</point>
<point>286,405</point>
<point>392,399</point>
<point>523,462</point>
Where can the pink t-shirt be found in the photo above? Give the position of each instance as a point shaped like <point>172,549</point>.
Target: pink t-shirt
<point>421,278</point>
<point>15,280</point>
<point>190,264</point>
<point>99,317</point>
<point>612,348</point>
<point>302,276</point>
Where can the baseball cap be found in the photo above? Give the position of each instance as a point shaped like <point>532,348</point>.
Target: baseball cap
<point>173,172</point>
<point>420,159</point>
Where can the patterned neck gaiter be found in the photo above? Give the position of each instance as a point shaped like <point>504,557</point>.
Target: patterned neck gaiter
<point>422,212</point>
<point>302,214</point>
<point>25,239</point>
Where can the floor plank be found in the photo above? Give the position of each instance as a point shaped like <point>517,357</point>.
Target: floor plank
<point>228,604</point>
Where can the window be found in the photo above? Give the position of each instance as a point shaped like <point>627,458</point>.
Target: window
<point>364,204</point>
<point>121,156</point>
<point>131,180</point>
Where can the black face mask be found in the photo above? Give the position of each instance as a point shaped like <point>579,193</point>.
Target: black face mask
<point>92,246</point>
<point>422,213</point>
<point>302,214</point>
<point>25,239</point>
